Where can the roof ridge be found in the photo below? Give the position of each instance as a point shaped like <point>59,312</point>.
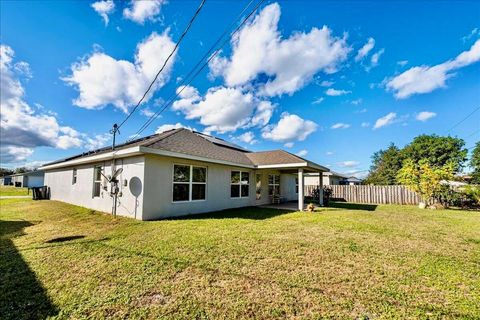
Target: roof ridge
<point>163,135</point>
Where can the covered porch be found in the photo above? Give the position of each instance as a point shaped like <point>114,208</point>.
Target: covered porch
<point>289,192</point>
<point>289,205</point>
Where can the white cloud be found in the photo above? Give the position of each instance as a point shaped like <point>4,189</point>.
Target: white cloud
<point>142,10</point>
<point>98,141</point>
<point>166,127</point>
<point>425,115</point>
<point>474,33</point>
<point>375,57</point>
<point>365,124</point>
<point>402,63</point>
<point>288,145</point>
<point>329,153</point>
<point>425,79</point>
<point>357,102</point>
<point>290,128</point>
<point>302,153</point>
<point>348,164</point>
<point>247,137</point>
<point>263,113</point>
<point>385,120</point>
<point>340,125</point>
<point>335,93</point>
<point>221,110</point>
<point>22,128</point>
<point>104,8</point>
<point>147,112</point>
<point>363,51</point>
<point>101,79</point>
<point>318,100</point>
<point>326,83</point>
<point>289,63</point>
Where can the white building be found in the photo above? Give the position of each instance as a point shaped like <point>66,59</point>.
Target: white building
<point>27,179</point>
<point>178,172</point>
<point>331,178</point>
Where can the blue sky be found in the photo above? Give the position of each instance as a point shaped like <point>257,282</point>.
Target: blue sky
<point>295,77</point>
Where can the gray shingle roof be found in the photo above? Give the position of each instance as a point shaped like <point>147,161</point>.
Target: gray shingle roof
<point>191,143</point>
<point>273,157</point>
<point>187,142</point>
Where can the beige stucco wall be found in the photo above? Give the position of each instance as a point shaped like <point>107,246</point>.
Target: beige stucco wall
<point>156,200</point>
<point>81,193</point>
<point>159,189</point>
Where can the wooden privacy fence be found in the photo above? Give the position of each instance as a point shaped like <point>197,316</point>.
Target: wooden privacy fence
<point>371,194</point>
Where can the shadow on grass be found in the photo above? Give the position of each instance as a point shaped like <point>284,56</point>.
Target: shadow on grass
<point>254,213</point>
<point>22,294</point>
<point>64,239</point>
<point>353,206</point>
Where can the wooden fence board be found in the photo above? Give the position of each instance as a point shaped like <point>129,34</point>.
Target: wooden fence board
<point>371,194</point>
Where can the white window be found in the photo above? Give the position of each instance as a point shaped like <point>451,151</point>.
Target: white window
<point>74,175</point>
<point>239,184</point>
<point>97,180</point>
<point>273,184</point>
<point>189,183</point>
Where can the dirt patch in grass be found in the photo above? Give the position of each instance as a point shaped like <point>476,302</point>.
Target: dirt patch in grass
<point>393,262</point>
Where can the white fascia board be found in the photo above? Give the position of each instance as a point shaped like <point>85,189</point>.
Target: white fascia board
<point>95,158</point>
<point>318,167</point>
<point>283,165</point>
<point>191,157</point>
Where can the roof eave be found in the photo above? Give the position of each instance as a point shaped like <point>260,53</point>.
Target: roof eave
<point>128,152</point>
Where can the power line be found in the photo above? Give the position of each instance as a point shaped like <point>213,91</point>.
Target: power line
<point>472,134</point>
<point>461,121</point>
<point>165,63</point>
<point>184,82</point>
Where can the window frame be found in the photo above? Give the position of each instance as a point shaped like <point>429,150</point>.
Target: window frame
<point>190,183</point>
<point>74,176</point>
<point>274,184</point>
<point>99,166</point>
<point>258,186</point>
<point>240,184</point>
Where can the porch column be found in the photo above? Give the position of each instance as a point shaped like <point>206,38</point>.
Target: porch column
<point>320,188</point>
<point>301,190</point>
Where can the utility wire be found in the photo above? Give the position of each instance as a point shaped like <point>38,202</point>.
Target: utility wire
<point>461,121</point>
<point>472,134</point>
<point>165,63</point>
<point>184,82</point>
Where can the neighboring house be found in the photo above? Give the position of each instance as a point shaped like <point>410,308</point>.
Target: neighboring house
<point>331,178</point>
<point>352,181</point>
<point>6,180</point>
<point>178,172</point>
<point>28,179</point>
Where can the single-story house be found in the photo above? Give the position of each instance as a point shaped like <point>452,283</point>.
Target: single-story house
<point>351,181</point>
<point>328,178</point>
<point>6,180</point>
<point>27,179</point>
<point>178,172</point>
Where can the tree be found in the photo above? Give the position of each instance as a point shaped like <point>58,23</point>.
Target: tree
<point>5,172</point>
<point>475,163</point>
<point>437,150</point>
<point>385,166</point>
<point>424,178</point>
<point>21,170</point>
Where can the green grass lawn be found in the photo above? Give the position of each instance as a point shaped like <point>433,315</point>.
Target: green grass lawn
<point>63,261</point>
<point>13,191</point>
